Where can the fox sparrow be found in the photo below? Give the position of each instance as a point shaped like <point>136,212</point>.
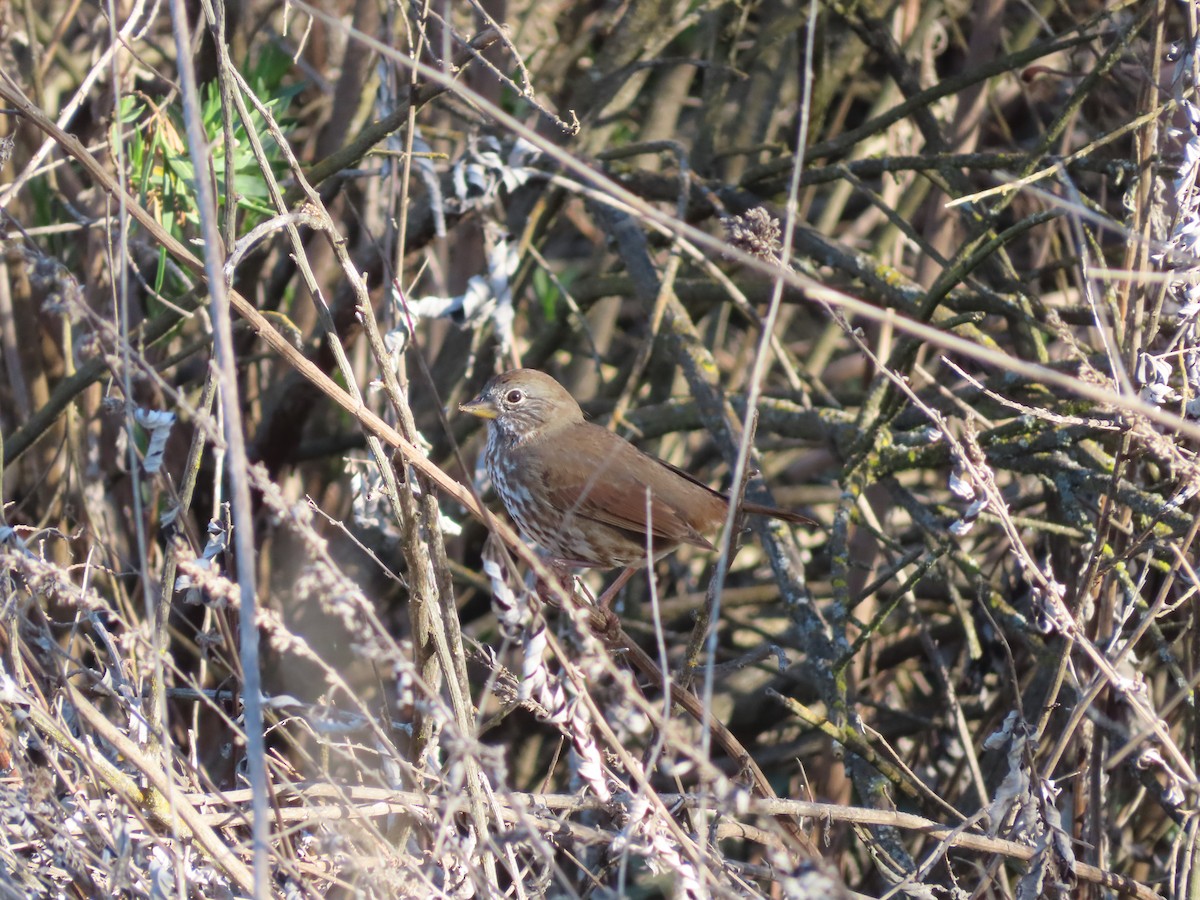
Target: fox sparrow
<point>579,490</point>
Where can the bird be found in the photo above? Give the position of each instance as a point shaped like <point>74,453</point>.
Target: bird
<point>587,496</point>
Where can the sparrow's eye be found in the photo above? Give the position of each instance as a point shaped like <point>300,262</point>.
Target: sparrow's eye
<point>514,396</point>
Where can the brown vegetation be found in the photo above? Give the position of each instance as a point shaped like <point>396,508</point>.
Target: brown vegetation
<point>964,320</point>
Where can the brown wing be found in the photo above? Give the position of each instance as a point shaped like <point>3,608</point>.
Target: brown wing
<point>754,509</point>
<point>602,477</point>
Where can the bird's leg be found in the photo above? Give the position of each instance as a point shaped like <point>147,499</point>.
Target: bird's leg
<point>609,595</point>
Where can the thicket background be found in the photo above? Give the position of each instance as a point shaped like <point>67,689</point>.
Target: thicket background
<point>971,346</point>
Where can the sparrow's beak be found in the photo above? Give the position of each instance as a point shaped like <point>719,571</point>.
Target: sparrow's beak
<point>485,409</point>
